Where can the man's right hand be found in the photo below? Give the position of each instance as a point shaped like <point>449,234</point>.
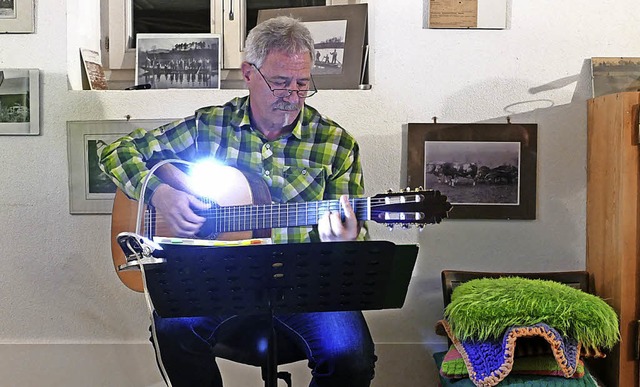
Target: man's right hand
<point>176,208</point>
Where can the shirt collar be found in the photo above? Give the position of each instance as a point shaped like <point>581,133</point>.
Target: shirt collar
<point>243,119</point>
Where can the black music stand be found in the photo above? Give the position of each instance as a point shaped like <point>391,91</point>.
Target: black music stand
<point>290,278</point>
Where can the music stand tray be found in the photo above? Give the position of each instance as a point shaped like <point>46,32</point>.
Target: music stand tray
<point>279,278</point>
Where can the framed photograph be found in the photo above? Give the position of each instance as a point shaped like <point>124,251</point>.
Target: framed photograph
<point>487,171</point>
<point>16,16</point>
<point>19,101</point>
<point>615,75</point>
<point>92,65</point>
<point>178,61</point>
<point>487,14</point>
<point>90,190</point>
<point>340,38</point>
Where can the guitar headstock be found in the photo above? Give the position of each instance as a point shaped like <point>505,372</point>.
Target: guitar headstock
<point>410,207</point>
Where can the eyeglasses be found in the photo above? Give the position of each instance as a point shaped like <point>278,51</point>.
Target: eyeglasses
<point>283,93</point>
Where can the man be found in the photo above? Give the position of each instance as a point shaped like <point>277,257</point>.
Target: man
<point>301,155</point>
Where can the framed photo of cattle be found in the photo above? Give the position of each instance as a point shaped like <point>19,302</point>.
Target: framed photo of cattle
<point>487,171</point>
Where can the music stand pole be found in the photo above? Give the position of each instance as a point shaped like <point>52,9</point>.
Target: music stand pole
<point>271,378</point>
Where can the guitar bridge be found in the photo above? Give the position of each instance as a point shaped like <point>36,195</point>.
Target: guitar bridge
<point>138,250</point>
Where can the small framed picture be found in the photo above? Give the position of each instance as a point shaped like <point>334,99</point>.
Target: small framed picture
<point>19,101</point>
<point>340,34</point>
<point>92,65</point>
<point>178,61</point>
<point>90,190</point>
<point>16,16</point>
<point>610,75</point>
<point>487,171</point>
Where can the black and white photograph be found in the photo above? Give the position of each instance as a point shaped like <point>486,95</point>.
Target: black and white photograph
<point>474,173</point>
<point>90,190</point>
<point>340,41</point>
<point>98,184</point>
<point>487,171</point>
<point>19,102</point>
<point>328,39</point>
<point>178,61</point>
<point>7,9</point>
<point>17,16</point>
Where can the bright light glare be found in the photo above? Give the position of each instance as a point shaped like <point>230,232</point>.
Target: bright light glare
<point>206,177</point>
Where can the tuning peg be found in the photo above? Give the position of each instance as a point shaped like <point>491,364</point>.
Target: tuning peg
<point>406,226</point>
<point>420,227</point>
<point>389,191</point>
<point>390,227</point>
<point>408,189</point>
<point>419,189</point>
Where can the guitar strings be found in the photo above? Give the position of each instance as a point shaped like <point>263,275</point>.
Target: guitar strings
<point>282,217</point>
<point>286,209</point>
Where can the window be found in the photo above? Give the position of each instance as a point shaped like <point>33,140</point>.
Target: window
<point>232,19</point>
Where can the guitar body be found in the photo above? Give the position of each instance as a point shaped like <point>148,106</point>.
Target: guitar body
<point>240,189</point>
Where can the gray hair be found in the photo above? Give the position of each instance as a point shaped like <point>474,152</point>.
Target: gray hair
<point>282,33</point>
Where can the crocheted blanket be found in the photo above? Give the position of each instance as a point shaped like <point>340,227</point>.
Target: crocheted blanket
<point>490,361</point>
<point>454,367</point>
<point>514,380</point>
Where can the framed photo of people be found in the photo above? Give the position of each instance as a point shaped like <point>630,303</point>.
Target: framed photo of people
<point>16,16</point>
<point>178,61</point>
<point>19,102</point>
<point>487,171</point>
<point>340,42</point>
<point>90,190</point>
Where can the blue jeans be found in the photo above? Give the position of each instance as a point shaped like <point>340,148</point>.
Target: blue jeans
<point>338,346</point>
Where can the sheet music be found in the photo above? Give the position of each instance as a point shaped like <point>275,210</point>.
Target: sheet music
<point>210,242</point>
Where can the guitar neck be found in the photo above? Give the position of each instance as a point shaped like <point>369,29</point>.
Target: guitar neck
<point>255,217</point>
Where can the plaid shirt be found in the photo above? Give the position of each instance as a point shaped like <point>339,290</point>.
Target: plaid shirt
<point>318,160</point>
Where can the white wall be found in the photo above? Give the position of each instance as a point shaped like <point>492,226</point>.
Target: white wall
<point>58,290</point>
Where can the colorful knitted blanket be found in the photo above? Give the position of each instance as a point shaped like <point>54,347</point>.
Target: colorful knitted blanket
<point>490,361</point>
<point>514,380</point>
<point>454,367</point>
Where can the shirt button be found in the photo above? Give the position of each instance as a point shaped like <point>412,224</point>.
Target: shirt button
<point>268,146</point>
<point>266,173</point>
<point>304,171</point>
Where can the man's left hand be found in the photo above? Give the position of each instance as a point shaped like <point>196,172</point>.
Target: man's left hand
<point>332,228</point>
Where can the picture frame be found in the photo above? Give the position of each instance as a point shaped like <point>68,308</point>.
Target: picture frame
<point>611,75</point>
<point>19,102</point>
<point>178,61</point>
<point>93,70</point>
<point>90,190</point>
<point>487,171</point>
<point>478,14</point>
<point>340,36</point>
<point>17,16</point>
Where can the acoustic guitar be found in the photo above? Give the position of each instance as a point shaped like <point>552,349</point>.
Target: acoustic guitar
<point>244,210</point>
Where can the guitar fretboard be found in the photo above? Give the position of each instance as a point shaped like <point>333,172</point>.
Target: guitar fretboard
<point>255,217</point>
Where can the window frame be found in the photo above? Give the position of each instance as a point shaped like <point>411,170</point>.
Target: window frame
<point>120,56</point>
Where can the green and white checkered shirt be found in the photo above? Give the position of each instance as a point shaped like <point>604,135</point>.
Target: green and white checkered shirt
<point>318,160</point>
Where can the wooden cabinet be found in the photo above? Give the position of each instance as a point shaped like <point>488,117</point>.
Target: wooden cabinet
<point>613,222</point>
